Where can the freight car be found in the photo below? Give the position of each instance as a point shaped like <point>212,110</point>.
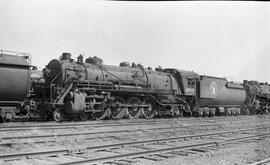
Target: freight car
<point>15,83</point>
<point>77,89</point>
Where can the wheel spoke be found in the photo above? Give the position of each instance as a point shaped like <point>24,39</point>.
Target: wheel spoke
<point>149,111</point>
<point>132,111</point>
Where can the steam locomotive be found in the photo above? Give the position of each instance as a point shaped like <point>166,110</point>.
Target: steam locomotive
<point>77,89</point>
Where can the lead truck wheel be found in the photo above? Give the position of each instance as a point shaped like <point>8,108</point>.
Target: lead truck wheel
<point>58,115</point>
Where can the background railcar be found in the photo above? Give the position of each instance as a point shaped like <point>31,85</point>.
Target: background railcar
<point>15,83</point>
<point>258,97</point>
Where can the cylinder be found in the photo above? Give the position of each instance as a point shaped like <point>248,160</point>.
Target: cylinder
<point>77,104</point>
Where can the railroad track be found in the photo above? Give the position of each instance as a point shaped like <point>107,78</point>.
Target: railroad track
<point>13,140</point>
<point>97,133</point>
<point>17,140</point>
<point>53,135</point>
<point>75,125</point>
<point>164,152</point>
<point>216,138</point>
<point>106,125</point>
<point>116,123</point>
<point>169,150</point>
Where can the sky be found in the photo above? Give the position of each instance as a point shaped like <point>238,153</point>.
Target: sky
<point>223,39</point>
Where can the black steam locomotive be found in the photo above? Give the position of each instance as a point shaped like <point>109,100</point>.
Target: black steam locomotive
<point>84,90</point>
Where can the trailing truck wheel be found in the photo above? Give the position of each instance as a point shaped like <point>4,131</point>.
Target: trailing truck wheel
<point>58,115</point>
<point>132,111</point>
<point>149,112</point>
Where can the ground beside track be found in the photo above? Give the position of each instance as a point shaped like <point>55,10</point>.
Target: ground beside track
<point>240,153</point>
<point>237,154</point>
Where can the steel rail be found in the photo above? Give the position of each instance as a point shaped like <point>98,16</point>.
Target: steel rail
<point>261,162</point>
<point>68,126</point>
<point>66,151</point>
<point>96,125</point>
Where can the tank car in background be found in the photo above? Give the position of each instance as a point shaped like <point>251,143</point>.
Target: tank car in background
<point>15,83</point>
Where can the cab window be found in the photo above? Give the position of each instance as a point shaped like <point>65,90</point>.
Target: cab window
<point>191,82</point>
